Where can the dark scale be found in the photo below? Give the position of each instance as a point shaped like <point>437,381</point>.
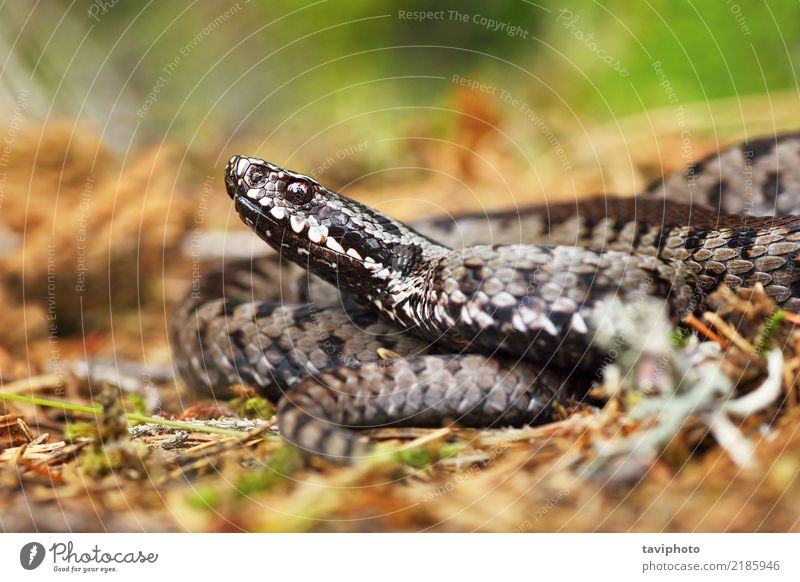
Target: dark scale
<point>227,308</point>
<point>377,251</point>
<point>264,309</point>
<point>337,231</point>
<point>757,148</point>
<point>662,236</point>
<point>404,260</point>
<point>694,241</point>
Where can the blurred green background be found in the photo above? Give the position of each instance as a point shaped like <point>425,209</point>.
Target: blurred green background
<point>296,81</point>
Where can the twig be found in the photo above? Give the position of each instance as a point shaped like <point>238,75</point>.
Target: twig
<point>793,318</point>
<point>220,446</point>
<point>729,332</point>
<point>426,438</point>
<point>707,332</point>
<point>130,416</point>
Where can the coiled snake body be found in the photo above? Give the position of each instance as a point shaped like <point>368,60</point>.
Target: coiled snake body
<point>489,334</point>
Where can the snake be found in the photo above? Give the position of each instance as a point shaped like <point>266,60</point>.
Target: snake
<point>360,321</point>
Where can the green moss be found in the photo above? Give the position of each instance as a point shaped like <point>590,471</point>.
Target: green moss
<point>80,430</point>
<point>768,330</point>
<point>283,464</point>
<point>137,403</point>
<point>450,450</point>
<point>417,457</point>
<point>679,336</point>
<point>255,407</point>
<point>205,498</point>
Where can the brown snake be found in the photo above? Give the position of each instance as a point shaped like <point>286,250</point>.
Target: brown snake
<point>492,316</point>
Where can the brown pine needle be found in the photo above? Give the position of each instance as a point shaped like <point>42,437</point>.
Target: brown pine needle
<point>730,333</point>
<point>706,331</point>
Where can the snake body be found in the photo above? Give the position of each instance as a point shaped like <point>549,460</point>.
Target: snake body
<point>478,334</point>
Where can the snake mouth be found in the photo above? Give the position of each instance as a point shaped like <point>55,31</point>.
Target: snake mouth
<point>300,239</point>
<point>252,214</point>
<point>271,224</point>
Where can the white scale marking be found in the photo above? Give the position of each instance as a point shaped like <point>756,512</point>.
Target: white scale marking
<point>298,224</point>
<point>517,323</point>
<point>578,324</point>
<point>547,325</point>
<point>332,244</point>
<point>315,234</point>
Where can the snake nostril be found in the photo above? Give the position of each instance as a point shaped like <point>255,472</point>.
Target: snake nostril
<point>231,177</point>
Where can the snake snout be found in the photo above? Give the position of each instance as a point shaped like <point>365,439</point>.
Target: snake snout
<point>234,174</point>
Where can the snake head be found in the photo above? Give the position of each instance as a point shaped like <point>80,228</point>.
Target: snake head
<point>317,228</point>
<point>305,221</point>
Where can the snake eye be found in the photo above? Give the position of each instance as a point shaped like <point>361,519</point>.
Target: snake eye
<point>298,192</point>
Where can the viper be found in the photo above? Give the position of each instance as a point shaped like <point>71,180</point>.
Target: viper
<point>485,320</point>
